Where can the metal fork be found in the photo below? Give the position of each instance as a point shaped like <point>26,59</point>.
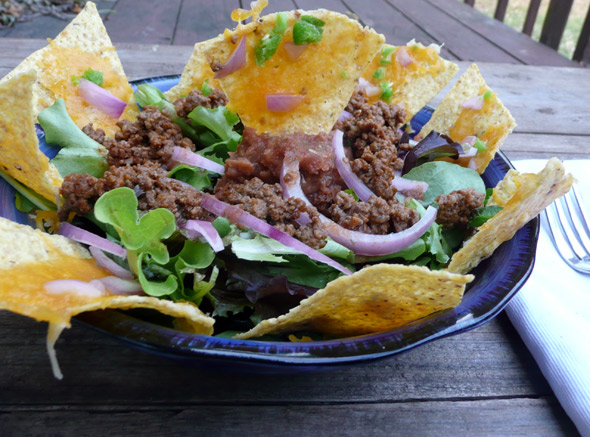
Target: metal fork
<point>570,230</point>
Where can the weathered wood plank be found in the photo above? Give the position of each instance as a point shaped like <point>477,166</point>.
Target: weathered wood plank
<point>281,5</point>
<point>150,22</point>
<point>517,44</point>
<point>398,28</point>
<point>200,20</point>
<point>555,21</point>
<point>466,45</point>
<point>515,417</point>
<point>521,146</point>
<point>488,362</point>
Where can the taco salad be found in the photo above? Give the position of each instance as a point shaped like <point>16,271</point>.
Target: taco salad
<point>277,191</point>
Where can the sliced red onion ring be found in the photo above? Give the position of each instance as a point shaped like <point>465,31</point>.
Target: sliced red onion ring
<point>408,187</point>
<point>473,103</point>
<point>185,156</point>
<point>236,215</point>
<point>343,167</point>
<point>470,140</point>
<point>368,88</point>
<point>101,98</point>
<point>358,242</point>
<point>283,102</point>
<point>377,245</point>
<point>202,228</point>
<point>107,263</point>
<point>403,57</point>
<point>83,236</point>
<point>345,115</point>
<point>236,61</point>
<point>469,154</point>
<point>121,286</point>
<point>293,187</point>
<point>80,288</point>
<point>294,51</point>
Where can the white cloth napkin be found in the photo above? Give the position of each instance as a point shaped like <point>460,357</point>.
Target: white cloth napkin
<point>552,313</point>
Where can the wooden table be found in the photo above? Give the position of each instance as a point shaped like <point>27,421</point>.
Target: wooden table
<point>481,382</point>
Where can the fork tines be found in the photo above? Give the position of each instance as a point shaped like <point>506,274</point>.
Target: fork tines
<point>570,230</point>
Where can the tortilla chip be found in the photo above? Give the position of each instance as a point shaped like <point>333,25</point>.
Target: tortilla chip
<point>415,84</point>
<point>491,124</point>
<point>83,44</point>
<point>196,71</point>
<point>325,74</point>
<point>375,299</point>
<point>30,258</point>
<point>522,196</point>
<point>20,156</point>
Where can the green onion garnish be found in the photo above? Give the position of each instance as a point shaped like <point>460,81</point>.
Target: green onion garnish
<point>308,30</point>
<point>487,95</point>
<point>480,145</point>
<point>269,44</point>
<point>386,91</point>
<point>206,89</point>
<point>379,74</point>
<point>386,55</point>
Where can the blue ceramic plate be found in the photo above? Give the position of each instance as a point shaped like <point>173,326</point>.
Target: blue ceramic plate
<point>497,279</point>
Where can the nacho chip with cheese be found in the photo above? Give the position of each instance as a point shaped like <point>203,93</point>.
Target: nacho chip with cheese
<point>20,157</point>
<point>375,299</point>
<point>30,259</point>
<point>522,197</point>
<point>320,80</point>
<point>83,44</point>
<point>456,117</point>
<point>409,75</point>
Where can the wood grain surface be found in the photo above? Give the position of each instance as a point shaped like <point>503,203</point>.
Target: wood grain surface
<point>483,382</point>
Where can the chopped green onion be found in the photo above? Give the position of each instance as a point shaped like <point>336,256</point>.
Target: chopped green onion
<point>487,95</point>
<point>386,55</point>
<point>480,145</point>
<point>386,91</point>
<point>343,74</point>
<point>351,191</point>
<point>206,89</point>
<point>308,30</point>
<point>379,74</point>
<point>415,47</point>
<point>268,45</point>
<point>91,75</point>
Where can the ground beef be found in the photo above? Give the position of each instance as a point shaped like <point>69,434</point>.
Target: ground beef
<point>456,208</point>
<point>374,134</point>
<point>151,138</point>
<point>149,181</point>
<point>196,98</point>
<point>377,216</point>
<point>262,156</point>
<point>96,135</point>
<point>266,202</point>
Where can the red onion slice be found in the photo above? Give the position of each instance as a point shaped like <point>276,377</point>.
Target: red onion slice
<point>236,61</point>
<point>185,156</point>
<point>403,57</point>
<point>344,115</point>
<point>201,228</point>
<point>81,288</point>
<point>121,286</point>
<point>368,88</point>
<point>107,263</point>
<point>409,188</point>
<point>343,167</point>
<point>358,242</point>
<point>294,51</point>
<point>283,102</point>
<point>83,236</point>
<point>236,215</point>
<point>475,103</point>
<point>101,98</point>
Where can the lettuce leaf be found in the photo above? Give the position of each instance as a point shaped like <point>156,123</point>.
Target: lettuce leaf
<point>79,153</point>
